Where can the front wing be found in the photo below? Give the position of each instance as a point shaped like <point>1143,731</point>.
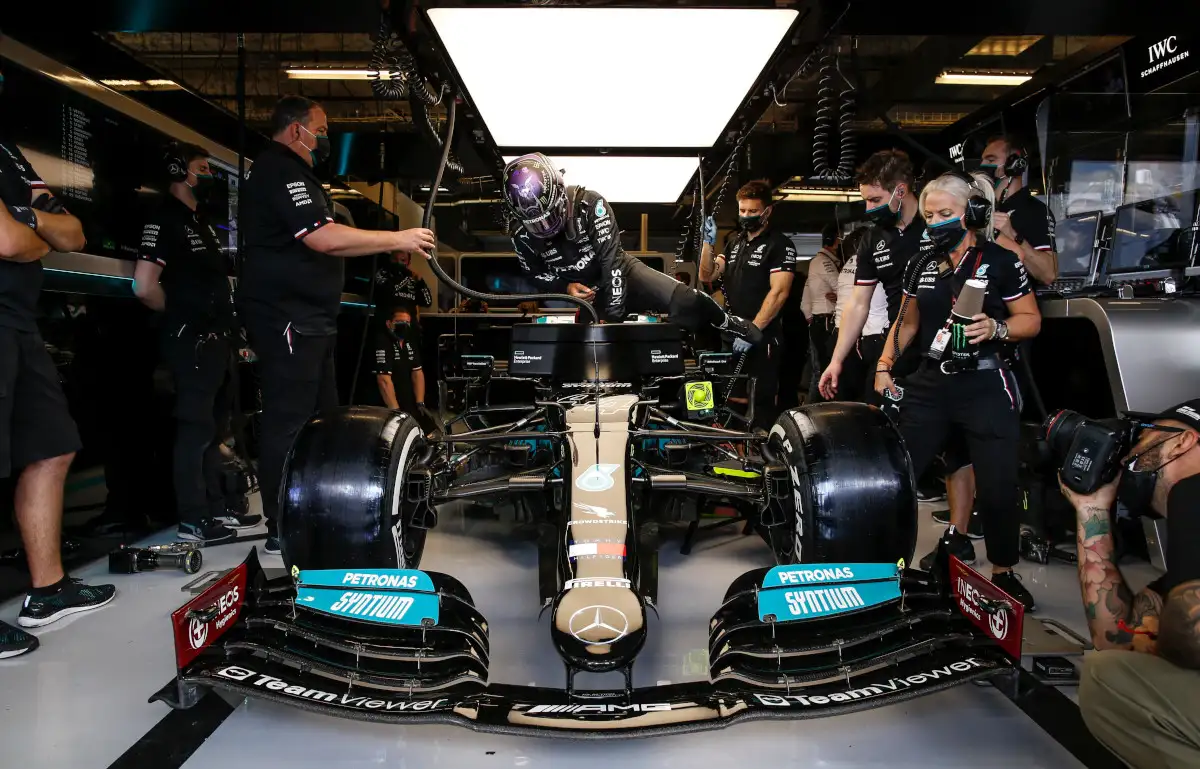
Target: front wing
<point>240,637</point>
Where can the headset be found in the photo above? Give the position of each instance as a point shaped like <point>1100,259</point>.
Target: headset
<point>979,209</point>
<point>829,235</point>
<point>173,163</point>
<point>1017,163</point>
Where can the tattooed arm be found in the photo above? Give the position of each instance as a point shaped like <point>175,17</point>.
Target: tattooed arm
<point>1179,637</point>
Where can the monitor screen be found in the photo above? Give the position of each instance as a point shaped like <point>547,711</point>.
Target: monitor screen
<point>1147,237</point>
<point>106,166</point>
<point>1075,238</point>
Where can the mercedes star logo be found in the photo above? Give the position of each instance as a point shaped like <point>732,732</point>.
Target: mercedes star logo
<point>611,622</point>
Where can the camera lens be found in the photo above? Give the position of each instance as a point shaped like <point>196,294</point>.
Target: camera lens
<point>1059,430</point>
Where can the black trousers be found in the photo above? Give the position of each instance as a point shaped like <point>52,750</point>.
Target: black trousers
<point>821,339</point>
<point>762,364</point>
<point>870,347</point>
<point>795,351</point>
<point>984,407</point>
<point>203,400</point>
<point>298,380</point>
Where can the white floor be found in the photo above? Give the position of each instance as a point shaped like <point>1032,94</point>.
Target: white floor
<point>79,702</point>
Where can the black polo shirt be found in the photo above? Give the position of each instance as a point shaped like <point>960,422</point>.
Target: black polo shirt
<point>884,256</point>
<point>1006,281</point>
<point>20,282</point>
<point>284,282</point>
<point>1031,219</point>
<point>195,273</point>
<point>398,288</point>
<point>749,265</point>
<point>398,358</point>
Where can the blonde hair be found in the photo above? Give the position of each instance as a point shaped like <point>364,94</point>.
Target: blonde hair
<point>956,186</point>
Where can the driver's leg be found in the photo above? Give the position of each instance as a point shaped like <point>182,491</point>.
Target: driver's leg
<point>652,291</point>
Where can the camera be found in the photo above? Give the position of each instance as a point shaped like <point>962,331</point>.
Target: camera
<point>1090,450</point>
<point>179,555</point>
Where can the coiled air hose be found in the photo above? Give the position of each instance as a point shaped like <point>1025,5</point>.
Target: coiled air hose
<point>829,102</point>
<point>385,57</point>
<point>431,258</point>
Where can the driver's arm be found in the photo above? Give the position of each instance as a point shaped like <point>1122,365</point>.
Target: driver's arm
<point>533,266</point>
<point>606,239</point>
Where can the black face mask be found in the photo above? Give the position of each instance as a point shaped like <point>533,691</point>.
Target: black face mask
<point>946,235</point>
<point>883,215</point>
<point>320,153</point>
<point>400,329</point>
<point>1136,487</point>
<point>203,186</point>
<point>750,223</point>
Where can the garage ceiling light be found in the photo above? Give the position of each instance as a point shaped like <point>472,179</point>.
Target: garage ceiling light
<point>1004,45</point>
<point>609,77</point>
<point>817,195</point>
<point>336,73</point>
<point>983,78</point>
<point>628,179</point>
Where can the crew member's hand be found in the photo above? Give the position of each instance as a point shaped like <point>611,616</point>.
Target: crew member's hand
<point>741,345</point>
<point>1102,498</point>
<point>829,379</point>
<point>580,291</point>
<point>831,297</point>
<point>983,329</point>
<point>417,240</point>
<point>710,231</point>
<point>1001,222</point>
<point>884,384</point>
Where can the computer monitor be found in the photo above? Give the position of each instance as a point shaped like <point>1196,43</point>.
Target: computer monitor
<point>1147,238</point>
<point>1075,239</point>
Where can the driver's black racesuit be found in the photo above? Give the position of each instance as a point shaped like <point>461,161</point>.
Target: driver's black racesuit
<point>588,251</point>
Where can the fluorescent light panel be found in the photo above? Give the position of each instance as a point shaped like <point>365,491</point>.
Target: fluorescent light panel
<point>982,78</point>
<point>609,77</point>
<point>336,73</point>
<point>1004,45</point>
<point>628,179</point>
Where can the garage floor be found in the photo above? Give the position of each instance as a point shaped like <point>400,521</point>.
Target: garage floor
<point>79,702</point>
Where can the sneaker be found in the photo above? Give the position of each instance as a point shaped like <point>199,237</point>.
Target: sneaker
<point>960,547</point>
<point>72,599</point>
<point>207,532</point>
<point>14,641</point>
<point>974,526</point>
<point>1010,582</point>
<point>742,328</point>
<point>272,546</point>
<point>237,521</point>
<point>930,495</point>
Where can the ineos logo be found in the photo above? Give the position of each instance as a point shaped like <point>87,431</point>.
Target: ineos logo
<point>591,618</point>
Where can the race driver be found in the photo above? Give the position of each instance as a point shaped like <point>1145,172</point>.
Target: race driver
<point>567,240</point>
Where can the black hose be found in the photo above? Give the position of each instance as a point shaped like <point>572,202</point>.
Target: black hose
<point>386,57</point>
<point>422,119</point>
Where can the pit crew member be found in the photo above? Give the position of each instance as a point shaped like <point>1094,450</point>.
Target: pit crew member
<point>819,302</point>
<point>758,269</point>
<point>1026,224</point>
<point>397,368</point>
<point>290,291</point>
<point>1140,690</point>
<point>398,287</point>
<point>38,438</point>
<point>182,273</point>
<point>566,238</point>
<point>953,391</point>
<point>857,381</point>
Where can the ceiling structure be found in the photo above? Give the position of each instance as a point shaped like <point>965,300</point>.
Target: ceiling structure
<point>926,85</point>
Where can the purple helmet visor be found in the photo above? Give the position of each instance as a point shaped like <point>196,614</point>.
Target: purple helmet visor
<point>537,198</point>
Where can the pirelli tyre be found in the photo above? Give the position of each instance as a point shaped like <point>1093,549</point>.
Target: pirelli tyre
<point>344,497</point>
<point>853,493</point>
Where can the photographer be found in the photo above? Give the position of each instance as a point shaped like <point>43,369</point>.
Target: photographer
<point>1140,691</point>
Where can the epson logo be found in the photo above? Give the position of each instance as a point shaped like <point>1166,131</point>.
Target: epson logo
<point>600,710</point>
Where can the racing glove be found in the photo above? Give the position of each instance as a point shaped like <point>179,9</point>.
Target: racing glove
<point>710,231</point>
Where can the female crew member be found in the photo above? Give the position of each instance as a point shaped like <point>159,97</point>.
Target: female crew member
<point>963,382</point>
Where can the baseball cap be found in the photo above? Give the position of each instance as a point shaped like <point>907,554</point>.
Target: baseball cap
<point>1187,412</point>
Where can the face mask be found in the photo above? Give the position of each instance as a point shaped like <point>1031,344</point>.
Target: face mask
<point>400,329</point>
<point>321,152</point>
<point>750,223</point>
<point>947,235</point>
<point>203,186</point>
<point>883,215</point>
<point>992,170</point>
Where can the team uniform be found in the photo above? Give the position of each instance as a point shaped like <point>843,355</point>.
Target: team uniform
<point>199,326</point>
<point>982,404</point>
<point>749,265</point>
<point>398,359</point>
<point>35,423</point>
<point>857,380</point>
<point>1030,218</point>
<point>289,297</point>
<point>399,288</point>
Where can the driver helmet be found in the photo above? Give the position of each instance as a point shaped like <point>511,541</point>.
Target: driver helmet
<point>535,193</point>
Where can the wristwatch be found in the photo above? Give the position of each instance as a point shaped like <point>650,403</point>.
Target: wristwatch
<point>1001,330</point>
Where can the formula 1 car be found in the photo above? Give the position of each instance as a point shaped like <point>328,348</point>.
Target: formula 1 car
<point>598,435</point>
